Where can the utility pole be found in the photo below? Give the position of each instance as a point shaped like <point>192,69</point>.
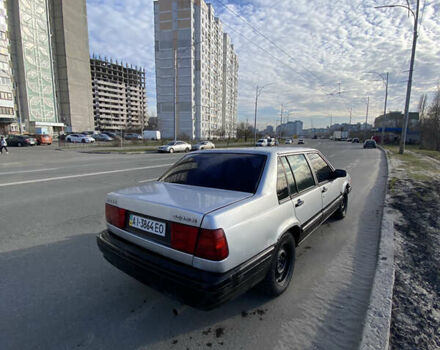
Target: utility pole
<point>258,91</point>
<point>281,121</point>
<point>175,94</point>
<point>351,110</point>
<point>366,116</point>
<point>384,112</point>
<point>255,119</point>
<point>411,68</point>
<point>408,89</point>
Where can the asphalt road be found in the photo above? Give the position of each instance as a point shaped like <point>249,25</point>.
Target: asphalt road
<point>57,291</point>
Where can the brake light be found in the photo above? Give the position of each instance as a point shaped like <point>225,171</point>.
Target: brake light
<point>212,245</point>
<point>115,216</point>
<point>184,237</point>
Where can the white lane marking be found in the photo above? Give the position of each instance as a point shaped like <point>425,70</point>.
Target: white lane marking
<point>82,175</point>
<point>146,180</point>
<point>27,171</point>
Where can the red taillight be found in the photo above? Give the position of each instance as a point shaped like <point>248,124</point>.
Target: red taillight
<point>212,245</point>
<point>184,237</point>
<point>115,216</point>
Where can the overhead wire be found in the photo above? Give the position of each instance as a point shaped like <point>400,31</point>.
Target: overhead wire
<point>257,31</point>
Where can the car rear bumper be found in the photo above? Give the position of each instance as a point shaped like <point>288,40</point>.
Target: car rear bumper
<point>197,288</point>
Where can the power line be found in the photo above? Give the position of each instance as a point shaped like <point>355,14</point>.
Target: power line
<point>257,31</point>
<point>268,52</point>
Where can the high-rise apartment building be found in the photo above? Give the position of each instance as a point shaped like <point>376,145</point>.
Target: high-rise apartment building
<point>7,111</point>
<point>119,96</point>
<point>294,128</point>
<point>196,71</point>
<point>50,64</point>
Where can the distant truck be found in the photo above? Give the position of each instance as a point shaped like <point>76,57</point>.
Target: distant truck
<point>340,135</point>
<point>151,135</point>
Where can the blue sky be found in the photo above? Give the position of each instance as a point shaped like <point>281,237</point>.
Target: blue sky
<point>314,49</point>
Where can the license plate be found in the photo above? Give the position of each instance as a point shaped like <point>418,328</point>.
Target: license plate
<point>147,225</point>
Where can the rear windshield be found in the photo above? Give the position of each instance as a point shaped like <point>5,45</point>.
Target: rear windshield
<point>226,171</point>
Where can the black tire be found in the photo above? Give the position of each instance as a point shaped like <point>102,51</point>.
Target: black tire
<point>171,150</point>
<point>187,150</point>
<point>281,268</point>
<point>19,144</point>
<point>342,210</point>
<point>83,141</point>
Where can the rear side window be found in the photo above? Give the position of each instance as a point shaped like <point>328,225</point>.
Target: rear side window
<point>301,171</point>
<point>226,171</point>
<point>282,191</point>
<point>290,180</point>
<point>322,170</point>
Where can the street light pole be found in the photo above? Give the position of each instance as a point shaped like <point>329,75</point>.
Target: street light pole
<point>258,91</point>
<point>411,68</point>
<point>384,112</point>
<point>255,119</point>
<point>408,89</point>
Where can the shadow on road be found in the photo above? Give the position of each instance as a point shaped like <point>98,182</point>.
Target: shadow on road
<point>65,295</point>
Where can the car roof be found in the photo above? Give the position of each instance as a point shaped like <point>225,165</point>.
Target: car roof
<point>258,150</point>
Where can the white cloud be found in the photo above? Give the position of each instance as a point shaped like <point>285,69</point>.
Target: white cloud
<point>319,44</point>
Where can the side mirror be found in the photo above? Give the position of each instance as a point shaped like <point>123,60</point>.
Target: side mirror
<point>339,173</point>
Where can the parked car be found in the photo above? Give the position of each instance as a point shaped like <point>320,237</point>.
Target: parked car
<point>21,140</point>
<point>271,142</point>
<point>43,139</point>
<point>349,140</point>
<point>355,140</point>
<point>370,144</point>
<point>113,135</point>
<point>102,137</point>
<point>75,138</point>
<point>300,142</point>
<point>261,143</point>
<point>203,145</point>
<point>175,146</point>
<point>219,222</point>
<point>288,141</point>
<point>133,136</point>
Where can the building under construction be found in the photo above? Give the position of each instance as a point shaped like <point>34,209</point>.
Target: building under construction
<point>119,96</point>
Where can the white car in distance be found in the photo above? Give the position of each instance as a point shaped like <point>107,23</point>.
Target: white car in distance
<point>79,138</point>
<point>219,222</point>
<point>203,145</point>
<point>175,146</point>
<point>262,143</point>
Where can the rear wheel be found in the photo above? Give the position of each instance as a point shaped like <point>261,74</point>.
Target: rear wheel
<point>281,269</point>
<point>83,141</point>
<point>171,150</point>
<point>186,149</point>
<point>342,210</point>
<point>19,144</point>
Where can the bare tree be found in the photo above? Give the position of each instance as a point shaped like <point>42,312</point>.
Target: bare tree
<point>430,123</point>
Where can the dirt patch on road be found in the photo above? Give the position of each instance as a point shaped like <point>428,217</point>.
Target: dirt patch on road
<point>415,320</point>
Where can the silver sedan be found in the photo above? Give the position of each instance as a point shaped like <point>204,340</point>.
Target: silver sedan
<point>203,145</point>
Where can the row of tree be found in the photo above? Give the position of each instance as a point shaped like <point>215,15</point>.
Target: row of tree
<point>429,115</point>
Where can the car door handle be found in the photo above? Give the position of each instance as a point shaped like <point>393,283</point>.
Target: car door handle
<point>324,189</point>
<point>299,202</point>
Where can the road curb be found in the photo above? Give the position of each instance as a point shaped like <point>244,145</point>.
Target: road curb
<point>376,332</point>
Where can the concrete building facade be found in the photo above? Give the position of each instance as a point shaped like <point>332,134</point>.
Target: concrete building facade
<point>290,129</point>
<point>191,54</point>
<point>72,62</point>
<point>119,96</point>
<point>50,67</point>
<point>7,111</point>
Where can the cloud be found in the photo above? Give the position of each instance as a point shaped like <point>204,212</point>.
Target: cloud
<point>314,49</point>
